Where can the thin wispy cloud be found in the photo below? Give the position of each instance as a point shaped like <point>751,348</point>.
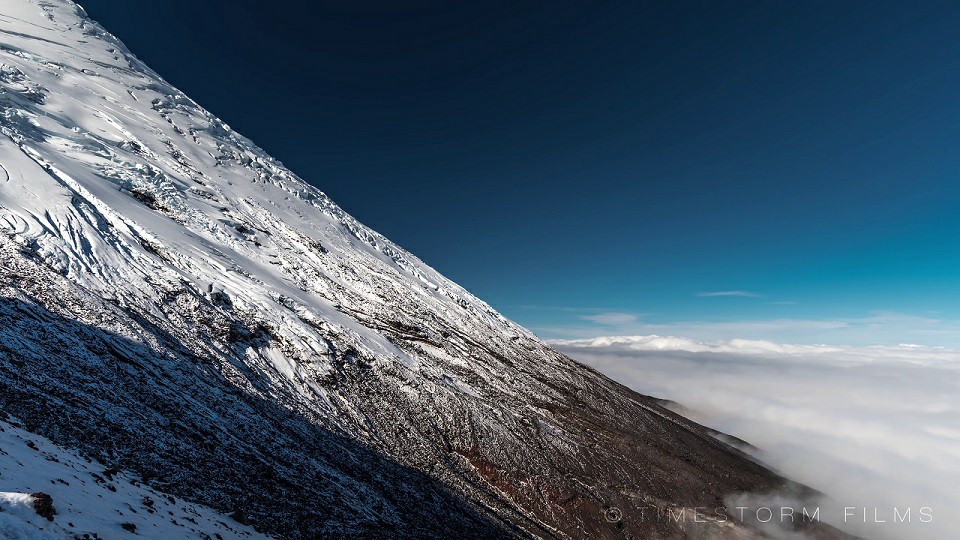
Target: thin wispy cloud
<point>743,294</point>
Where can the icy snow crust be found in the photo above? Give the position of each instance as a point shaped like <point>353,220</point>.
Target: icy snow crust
<point>177,304</point>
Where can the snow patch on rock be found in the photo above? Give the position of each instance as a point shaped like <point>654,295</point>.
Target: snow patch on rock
<point>91,499</point>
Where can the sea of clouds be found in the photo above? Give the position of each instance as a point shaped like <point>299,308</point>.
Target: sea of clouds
<point>873,428</point>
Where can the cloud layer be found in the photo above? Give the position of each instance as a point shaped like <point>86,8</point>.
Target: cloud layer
<point>883,327</point>
<point>872,427</point>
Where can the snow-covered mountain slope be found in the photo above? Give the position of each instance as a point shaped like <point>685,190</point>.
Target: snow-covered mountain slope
<point>90,499</point>
<point>177,304</point>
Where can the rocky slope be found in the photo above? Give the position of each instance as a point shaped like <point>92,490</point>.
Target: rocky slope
<point>176,304</point>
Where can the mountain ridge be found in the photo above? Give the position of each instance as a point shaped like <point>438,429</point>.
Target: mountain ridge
<point>178,304</point>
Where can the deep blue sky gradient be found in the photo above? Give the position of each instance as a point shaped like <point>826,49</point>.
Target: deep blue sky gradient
<point>576,162</point>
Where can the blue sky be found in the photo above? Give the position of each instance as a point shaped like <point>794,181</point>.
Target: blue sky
<point>601,169</point>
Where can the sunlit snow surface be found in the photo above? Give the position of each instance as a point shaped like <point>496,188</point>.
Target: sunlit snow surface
<point>125,185</point>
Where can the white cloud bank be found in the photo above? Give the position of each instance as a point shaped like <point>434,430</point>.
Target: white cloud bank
<point>885,327</point>
<point>873,428</point>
